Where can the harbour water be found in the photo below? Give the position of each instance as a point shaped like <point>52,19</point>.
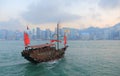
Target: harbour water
<point>82,58</point>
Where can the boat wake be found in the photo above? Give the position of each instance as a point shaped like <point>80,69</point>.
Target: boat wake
<point>53,62</point>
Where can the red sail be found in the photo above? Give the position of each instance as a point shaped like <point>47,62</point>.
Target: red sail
<point>54,41</point>
<point>26,39</point>
<point>65,40</point>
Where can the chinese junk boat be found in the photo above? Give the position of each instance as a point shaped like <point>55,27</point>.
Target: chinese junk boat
<point>44,52</point>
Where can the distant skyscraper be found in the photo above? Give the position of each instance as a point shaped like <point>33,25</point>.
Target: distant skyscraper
<point>47,34</point>
<point>33,34</point>
<point>38,33</point>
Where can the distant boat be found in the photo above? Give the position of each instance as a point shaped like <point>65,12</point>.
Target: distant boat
<point>44,52</point>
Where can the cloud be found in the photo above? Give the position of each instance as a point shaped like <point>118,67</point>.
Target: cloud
<point>11,25</point>
<point>118,18</point>
<point>96,17</point>
<point>47,11</point>
<point>109,4</point>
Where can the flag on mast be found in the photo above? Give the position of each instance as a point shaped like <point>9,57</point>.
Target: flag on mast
<point>27,28</point>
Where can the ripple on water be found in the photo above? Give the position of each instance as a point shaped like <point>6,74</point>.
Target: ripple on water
<point>82,58</point>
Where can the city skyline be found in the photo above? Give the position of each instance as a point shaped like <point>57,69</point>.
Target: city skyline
<point>91,33</point>
<point>16,15</point>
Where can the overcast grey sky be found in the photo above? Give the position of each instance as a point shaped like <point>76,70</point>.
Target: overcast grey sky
<point>16,14</point>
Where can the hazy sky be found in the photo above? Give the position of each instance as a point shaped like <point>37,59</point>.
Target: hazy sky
<point>16,14</point>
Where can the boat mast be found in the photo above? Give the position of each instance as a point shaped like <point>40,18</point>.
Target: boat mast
<point>58,36</point>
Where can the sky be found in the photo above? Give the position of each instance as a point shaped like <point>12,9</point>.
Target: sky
<point>17,14</point>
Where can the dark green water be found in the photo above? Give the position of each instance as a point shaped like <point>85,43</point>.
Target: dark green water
<point>82,58</point>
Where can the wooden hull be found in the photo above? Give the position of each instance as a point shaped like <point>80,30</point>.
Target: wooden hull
<point>45,54</point>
